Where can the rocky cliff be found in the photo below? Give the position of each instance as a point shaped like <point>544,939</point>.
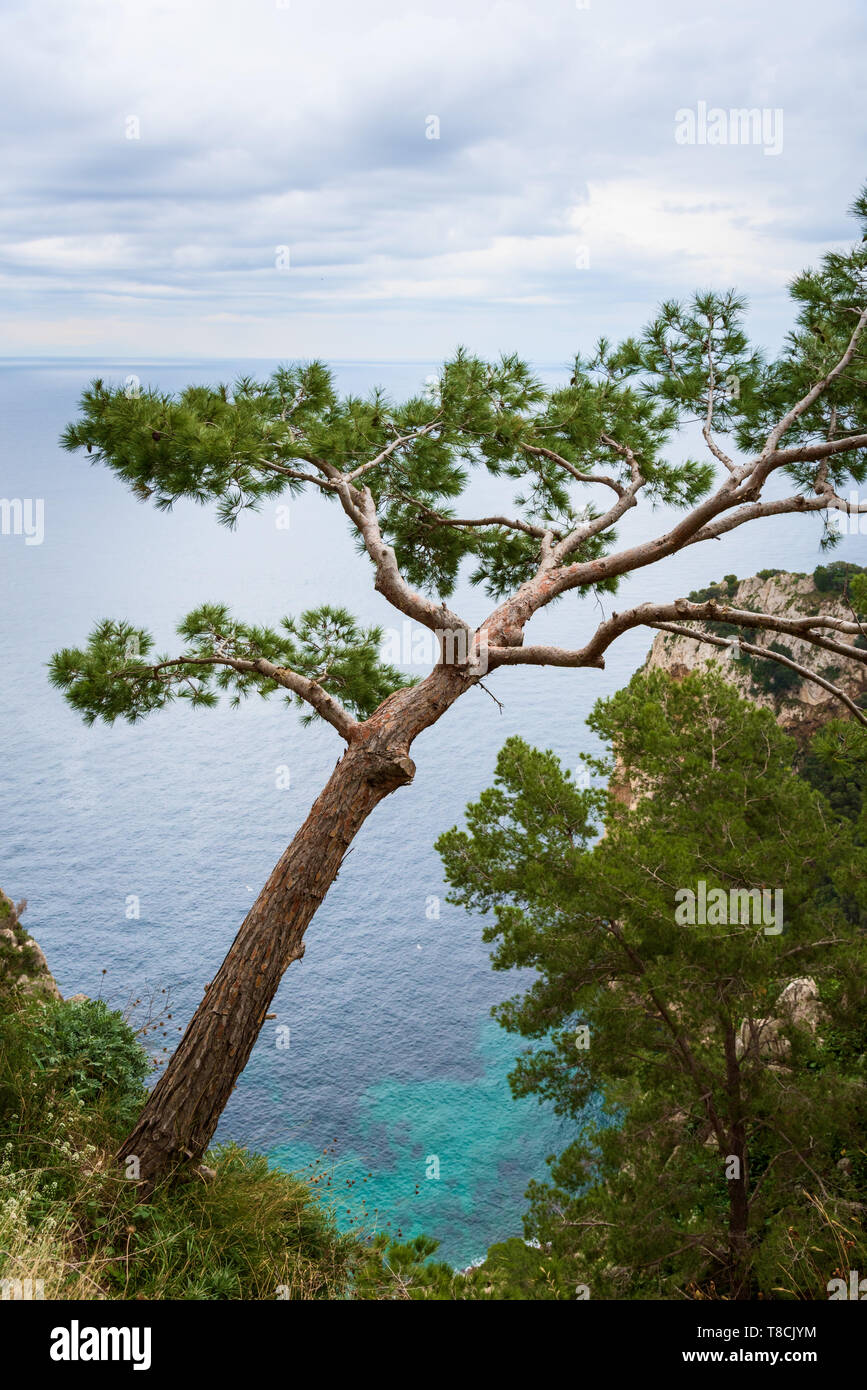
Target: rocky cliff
<point>23,967</point>
<point>800,706</point>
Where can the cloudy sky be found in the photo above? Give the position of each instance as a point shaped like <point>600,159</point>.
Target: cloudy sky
<point>290,178</point>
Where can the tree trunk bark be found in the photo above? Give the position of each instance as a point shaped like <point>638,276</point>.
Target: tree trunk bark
<point>182,1111</point>
<point>181,1114</point>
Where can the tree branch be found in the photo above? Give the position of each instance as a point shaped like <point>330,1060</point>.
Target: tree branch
<point>389,450</point>
<point>570,468</point>
<point>360,507</point>
<point>813,394</point>
<point>711,386</point>
<point>313,694</point>
<point>438,519</point>
<point>803,671</point>
<point>650,615</point>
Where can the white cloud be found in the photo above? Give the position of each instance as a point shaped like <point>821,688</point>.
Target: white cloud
<point>708,238</point>
<point>305,126</point>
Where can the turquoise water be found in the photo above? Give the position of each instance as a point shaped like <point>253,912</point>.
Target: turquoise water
<point>392,1055</point>
<point>443,1157</point>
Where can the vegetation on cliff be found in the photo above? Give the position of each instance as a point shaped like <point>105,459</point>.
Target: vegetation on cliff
<point>731,1054</point>
<point>837,591</point>
<point>71,1081</point>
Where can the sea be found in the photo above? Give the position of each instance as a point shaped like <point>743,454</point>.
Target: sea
<point>140,848</point>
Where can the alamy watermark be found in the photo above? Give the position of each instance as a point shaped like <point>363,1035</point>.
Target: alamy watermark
<point>22,1290</point>
<point>23,516</point>
<point>856,1288</point>
<point>77,1343</point>
<point>738,906</point>
<point>738,126</point>
<point>849,521</point>
<point>422,646</point>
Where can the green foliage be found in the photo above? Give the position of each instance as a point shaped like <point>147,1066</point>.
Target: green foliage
<point>18,955</point>
<point>205,444</point>
<point>838,765</point>
<point>838,577</point>
<point>405,1270</point>
<point>239,446</point>
<point>692,350</point>
<point>250,1233</point>
<point>724,592</point>
<point>85,1049</point>
<point>513,1270</point>
<point>516,1270</point>
<point>77,1049</point>
<point>639,1204</point>
<point>117,675</point>
<point>828,300</point>
<point>858,593</point>
<point>242,445</point>
<point>71,1079</point>
<point>833,765</point>
<point>771,677</point>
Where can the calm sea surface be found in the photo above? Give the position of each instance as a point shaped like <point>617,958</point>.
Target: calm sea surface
<point>392,1055</point>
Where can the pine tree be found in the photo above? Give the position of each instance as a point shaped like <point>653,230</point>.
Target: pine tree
<point>716,1070</point>
<point>579,456</point>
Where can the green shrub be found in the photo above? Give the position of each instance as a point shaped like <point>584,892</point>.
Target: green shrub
<point>725,591</point>
<point>84,1048</point>
<point>770,676</point>
<point>832,578</point>
<point>71,1083</point>
<point>18,955</point>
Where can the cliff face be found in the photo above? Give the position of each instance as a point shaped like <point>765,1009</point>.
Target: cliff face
<point>23,967</point>
<point>800,706</point>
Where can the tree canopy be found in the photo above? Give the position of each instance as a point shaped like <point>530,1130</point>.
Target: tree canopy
<point>704,1043</point>
<point>576,458</point>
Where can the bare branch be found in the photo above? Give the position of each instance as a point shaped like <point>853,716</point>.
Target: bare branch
<point>570,468</point>
<point>361,509</point>
<point>625,452</point>
<point>812,453</point>
<point>625,499</point>
<point>313,694</point>
<point>650,615</point>
<point>359,506</point>
<point>272,467</point>
<point>711,386</point>
<point>438,519</point>
<point>530,597</point>
<point>803,671</point>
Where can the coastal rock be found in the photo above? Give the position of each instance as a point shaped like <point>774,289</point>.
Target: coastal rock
<point>800,706</point>
<point>798,1006</point>
<point>23,967</point>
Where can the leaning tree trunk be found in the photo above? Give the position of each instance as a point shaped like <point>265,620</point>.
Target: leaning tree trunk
<point>182,1112</point>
